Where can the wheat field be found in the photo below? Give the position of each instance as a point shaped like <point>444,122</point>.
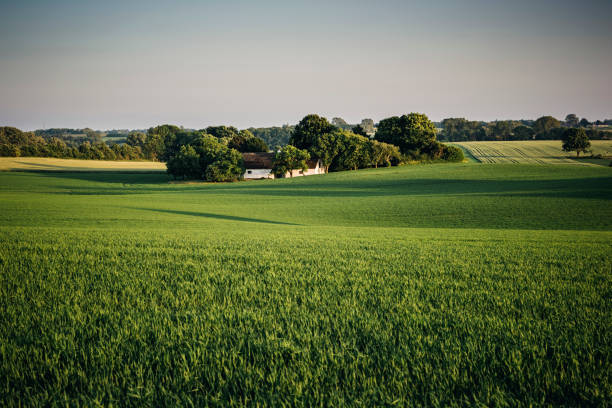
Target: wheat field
<point>53,164</point>
<point>534,152</point>
<point>434,285</point>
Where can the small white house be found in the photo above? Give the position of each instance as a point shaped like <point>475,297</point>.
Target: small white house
<point>259,166</point>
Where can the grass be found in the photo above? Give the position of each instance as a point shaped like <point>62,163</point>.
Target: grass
<point>534,152</point>
<point>433,285</point>
<point>47,164</point>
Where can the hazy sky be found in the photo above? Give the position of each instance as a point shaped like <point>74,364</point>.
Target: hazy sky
<point>134,64</point>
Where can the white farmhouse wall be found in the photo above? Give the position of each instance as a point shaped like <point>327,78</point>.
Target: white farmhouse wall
<point>318,169</point>
<point>253,174</point>
<point>258,174</point>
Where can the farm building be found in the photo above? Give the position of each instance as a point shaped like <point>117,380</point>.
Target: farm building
<point>259,166</point>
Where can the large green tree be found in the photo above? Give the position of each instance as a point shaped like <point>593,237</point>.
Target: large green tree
<point>221,132</point>
<point>410,133</point>
<point>309,129</point>
<point>245,142</point>
<point>160,139</point>
<point>571,120</point>
<point>575,139</point>
<point>185,164</point>
<point>543,125</point>
<point>228,166</point>
<point>205,156</point>
<point>289,159</point>
<point>355,152</point>
<point>523,132</point>
<point>327,147</point>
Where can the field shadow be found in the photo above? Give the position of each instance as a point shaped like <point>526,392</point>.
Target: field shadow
<point>214,216</point>
<point>107,176</point>
<point>345,187</point>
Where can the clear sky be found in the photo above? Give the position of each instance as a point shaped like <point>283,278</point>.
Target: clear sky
<point>134,64</point>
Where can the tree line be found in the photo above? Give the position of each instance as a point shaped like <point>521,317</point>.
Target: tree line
<point>214,153</point>
<point>543,128</point>
<point>15,143</point>
<point>401,139</point>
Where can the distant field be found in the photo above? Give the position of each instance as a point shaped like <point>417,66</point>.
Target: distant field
<point>432,285</point>
<point>534,152</point>
<point>51,164</point>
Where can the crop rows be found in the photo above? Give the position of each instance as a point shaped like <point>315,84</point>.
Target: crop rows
<point>531,152</point>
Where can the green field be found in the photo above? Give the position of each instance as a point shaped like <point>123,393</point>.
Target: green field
<point>435,285</point>
<point>534,152</point>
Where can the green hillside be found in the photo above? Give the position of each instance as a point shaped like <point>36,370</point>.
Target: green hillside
<point>431,285</point>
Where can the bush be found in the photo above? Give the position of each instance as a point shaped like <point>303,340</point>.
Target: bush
<point>452,154</point>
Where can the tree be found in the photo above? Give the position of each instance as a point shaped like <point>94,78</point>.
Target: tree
<point>584,122</point>
<point>339,122</point>
<point>575,139</point>
<point>228,166</point>
<point>523,132</point>
<point>544,125</point>
<point>501,129</point>
<point>221,132</point>
<point>56,147</point>
<point>245,142</point>
<point>354,152</point>
<point>382,153</point>
<point>136,139</point>
<point>571,120</point>
<point>254,145</point>
<point>359,130</point>
<point>310,128</point>
<point>368,126</point>
<point>160,140</point>
<point>460,129</point>
<point>186,163</point>
<point>327,147</point>
<point>409,132</point>
<point>9,150</point>
<point>274,136</point>
<point>205,156</point>
<point>288,159</point>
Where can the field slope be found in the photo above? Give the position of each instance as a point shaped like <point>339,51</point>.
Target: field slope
<point>434,285</point>
<point>534,152</point>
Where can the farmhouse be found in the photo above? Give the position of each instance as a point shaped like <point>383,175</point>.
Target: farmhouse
<point>259,166</point>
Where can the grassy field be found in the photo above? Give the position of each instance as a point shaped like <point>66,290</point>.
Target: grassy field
<point>437,285</point>
<point>47,164</point>
<point>534,152</point>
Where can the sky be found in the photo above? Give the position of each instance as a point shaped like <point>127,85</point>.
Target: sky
<point>136,64</point>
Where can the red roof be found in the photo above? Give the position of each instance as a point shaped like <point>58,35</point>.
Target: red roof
<point>266,161</point>
<point>258,160</point>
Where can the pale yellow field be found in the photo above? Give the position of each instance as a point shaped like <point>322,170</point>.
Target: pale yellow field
<point>534,152</point>
<point>52,164</point>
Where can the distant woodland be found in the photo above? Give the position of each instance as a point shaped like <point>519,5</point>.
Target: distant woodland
<point>543,128</point>
<point>338,144</point>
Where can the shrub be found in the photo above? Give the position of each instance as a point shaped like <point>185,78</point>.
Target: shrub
<point>452,154</point>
